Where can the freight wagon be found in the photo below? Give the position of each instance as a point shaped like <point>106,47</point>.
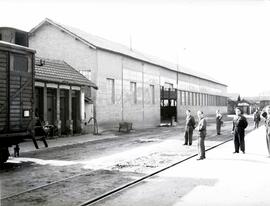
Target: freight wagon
<point>16,95</point>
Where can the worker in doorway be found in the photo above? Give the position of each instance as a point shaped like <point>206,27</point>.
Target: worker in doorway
<point>202,134</point>
<point>239,125</point>
<point>190,126</point>
<point>256,118</point>
<point>219,121</point>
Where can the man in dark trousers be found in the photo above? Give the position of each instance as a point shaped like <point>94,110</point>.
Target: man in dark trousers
<point>190,125</point>
<point>218,121</point>
<point>266,116</point>
<point>202,134</point>
<point>239,125</point>
<point>257,118</point>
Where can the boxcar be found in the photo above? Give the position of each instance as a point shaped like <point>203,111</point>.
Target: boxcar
<point>16,95</point>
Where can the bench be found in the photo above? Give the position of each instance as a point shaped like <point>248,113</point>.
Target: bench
<point>125,125</point>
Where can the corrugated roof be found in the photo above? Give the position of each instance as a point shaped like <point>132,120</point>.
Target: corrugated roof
<point>95,41</point>
<point>51,70</point>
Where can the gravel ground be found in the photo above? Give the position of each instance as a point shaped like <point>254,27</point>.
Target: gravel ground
<point>106,165</point>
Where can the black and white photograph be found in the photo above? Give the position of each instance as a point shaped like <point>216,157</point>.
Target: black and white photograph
<point>134,102</point>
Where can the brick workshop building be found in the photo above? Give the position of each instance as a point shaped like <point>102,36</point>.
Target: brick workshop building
<point>132,86</point>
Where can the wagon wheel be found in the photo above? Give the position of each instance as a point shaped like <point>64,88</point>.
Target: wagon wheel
<point>4,154</point>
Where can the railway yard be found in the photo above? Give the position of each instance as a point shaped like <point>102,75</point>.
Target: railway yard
<point>73,174</point>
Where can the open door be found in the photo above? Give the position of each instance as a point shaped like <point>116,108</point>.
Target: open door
<point>168,105</point>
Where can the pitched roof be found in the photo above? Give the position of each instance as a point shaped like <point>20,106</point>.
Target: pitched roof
<point>51,70</point>
<point>98,42</point>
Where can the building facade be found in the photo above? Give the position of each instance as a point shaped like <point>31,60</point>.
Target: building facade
<point>132,86</point>
<point>60,94</point>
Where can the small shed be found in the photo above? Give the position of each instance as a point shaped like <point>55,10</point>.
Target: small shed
<point>60,95</point>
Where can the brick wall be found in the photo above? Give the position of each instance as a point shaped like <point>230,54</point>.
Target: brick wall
<point>53,43</point>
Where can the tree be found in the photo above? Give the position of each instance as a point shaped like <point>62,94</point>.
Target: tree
<point>238,98</point>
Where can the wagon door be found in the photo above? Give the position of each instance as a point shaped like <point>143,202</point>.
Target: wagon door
<point>3,91</point>
<point>20,93</point>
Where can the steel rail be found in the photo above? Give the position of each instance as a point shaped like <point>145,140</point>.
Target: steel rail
<point>132,183</point>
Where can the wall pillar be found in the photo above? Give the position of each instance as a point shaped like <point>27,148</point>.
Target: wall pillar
<point>58,120</point>
<point>70,121</point>
<point>45,105</point>
<point>82,109</point>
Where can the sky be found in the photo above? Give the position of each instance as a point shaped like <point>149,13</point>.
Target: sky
<point>228,40</point>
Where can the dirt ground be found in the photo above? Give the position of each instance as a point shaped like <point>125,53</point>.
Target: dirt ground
<point>105,165</point>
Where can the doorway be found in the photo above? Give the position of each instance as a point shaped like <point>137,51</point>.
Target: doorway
<point>64,110</point>
<point>51,106</point>
<point>75,113</point>
<point>168,105</point>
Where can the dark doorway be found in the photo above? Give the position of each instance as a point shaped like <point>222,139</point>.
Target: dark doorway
<point>51,105</point>
<point>64,110</point>
<point>39,103</point>
<point>168,105</point>
<point>75,113</point>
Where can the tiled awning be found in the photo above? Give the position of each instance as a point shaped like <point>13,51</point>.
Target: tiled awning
<point>58,71</point>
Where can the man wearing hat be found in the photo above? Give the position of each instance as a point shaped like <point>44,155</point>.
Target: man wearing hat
<point>239,125</point>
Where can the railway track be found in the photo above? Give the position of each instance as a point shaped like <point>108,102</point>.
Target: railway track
<point>130,184</point>
<point>118,189</point>
<point>125,186</point>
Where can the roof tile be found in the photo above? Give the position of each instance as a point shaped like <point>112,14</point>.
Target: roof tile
<point>59,72</point>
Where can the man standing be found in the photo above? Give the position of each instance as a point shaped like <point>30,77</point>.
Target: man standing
<point>218,121</point>
<point>190,125</point>
<point>256,118</point>
<point>266,117</point>
<point>239,125</point>
<point>202,135</point>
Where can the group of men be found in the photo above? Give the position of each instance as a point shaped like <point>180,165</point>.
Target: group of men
<point>190,126</point>
<point>239,125</point>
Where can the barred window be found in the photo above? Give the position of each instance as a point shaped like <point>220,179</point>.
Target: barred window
<point>20,63</point>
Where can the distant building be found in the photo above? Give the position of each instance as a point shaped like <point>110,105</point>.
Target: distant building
<point>264,99</point>
<point>248,107</point>
<point>232,104</point>
<point>132,86</point>
<point>233,96</point>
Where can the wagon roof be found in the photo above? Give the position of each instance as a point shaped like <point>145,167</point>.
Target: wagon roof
<point>11,46</point>
<point>51,70</point>
<point>98,42</point>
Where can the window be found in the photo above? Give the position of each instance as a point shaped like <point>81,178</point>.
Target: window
<point>86,73</point>
<point>133,91</point>
<point>110,91</point>
<point>152,94</point>
<point>183,98</point>
<point>21,39</point>
<point>180,97</point>
<point>20,63</point>
<point>0,36</point>
<point>188,98</point>
<point>195,99</point>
